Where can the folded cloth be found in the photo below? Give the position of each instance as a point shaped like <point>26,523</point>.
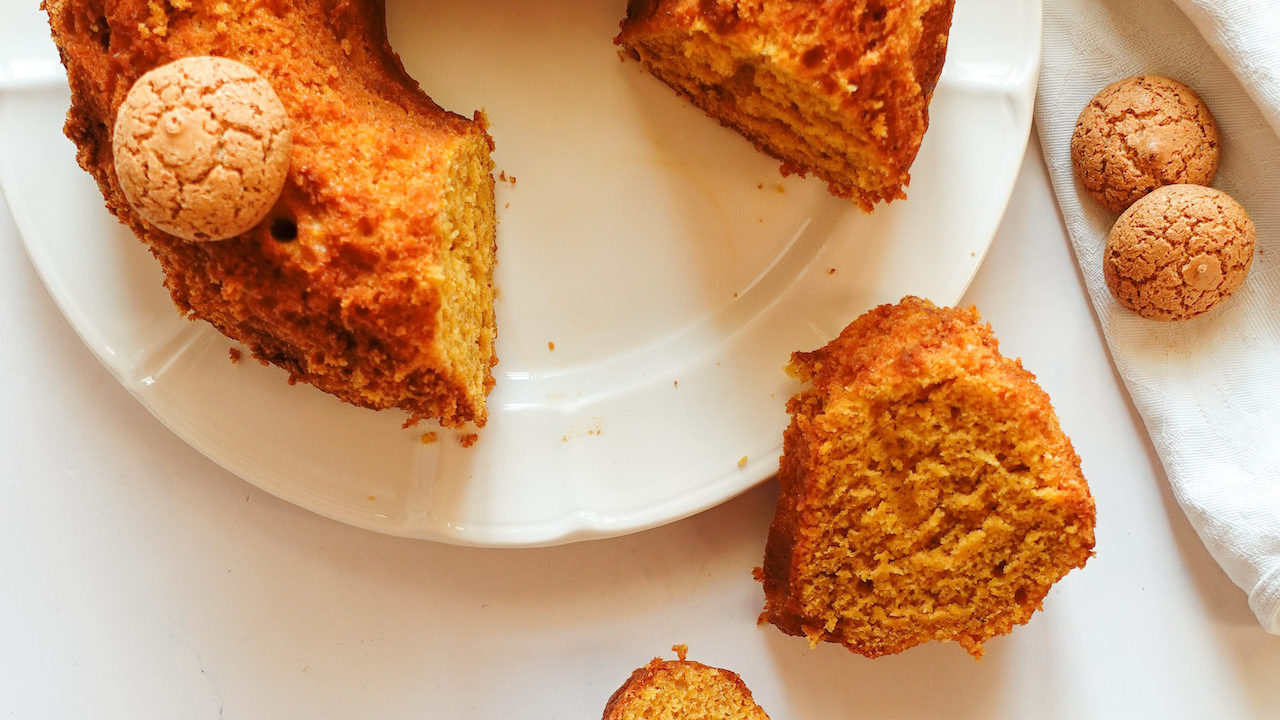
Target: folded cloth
<point>1208,389</point>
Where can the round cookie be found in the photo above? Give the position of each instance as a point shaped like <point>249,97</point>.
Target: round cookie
<point>1178,252</point>
<point>202,147</point>
<point>1142,133</point>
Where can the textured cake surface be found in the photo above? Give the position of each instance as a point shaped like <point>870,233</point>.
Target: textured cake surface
<point>682,690</point>
<point>371,278</point>
<point>837,88</point>
<point>928,492</point>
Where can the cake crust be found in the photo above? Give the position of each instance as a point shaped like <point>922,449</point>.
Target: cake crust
<point>350,283</point>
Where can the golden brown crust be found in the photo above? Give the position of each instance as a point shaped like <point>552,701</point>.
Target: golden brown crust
<point>876,63</point>
<point>927,490</point>
<point>340,284</point>
<point>682,689</point>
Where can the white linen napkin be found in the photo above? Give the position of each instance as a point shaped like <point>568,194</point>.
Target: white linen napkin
<point>1208,389</point>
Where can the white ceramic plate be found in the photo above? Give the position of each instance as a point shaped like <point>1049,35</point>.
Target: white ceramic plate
<point>669,263</point>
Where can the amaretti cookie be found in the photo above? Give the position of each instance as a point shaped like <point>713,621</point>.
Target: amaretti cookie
<point>202,148</point>
<point>1179,252</point>
<point>1142,133</point>
<point>928,492</point>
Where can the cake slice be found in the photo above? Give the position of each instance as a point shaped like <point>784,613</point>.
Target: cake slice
<point>371,277</point>
<point>837,88</point>
<point>928,492</point>
<point>682,690</point>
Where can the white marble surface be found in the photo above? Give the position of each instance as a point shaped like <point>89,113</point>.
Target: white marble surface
<point>140,580</point>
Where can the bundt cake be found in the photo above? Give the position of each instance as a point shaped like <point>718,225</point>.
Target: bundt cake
<point>371,277</point>
<point>682,690</point>
<point>928,492</point>
<point>837,88</point>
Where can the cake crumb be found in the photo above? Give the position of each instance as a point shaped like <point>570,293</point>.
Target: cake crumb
<point>236,356</point>
<point>742,462</point>
<point>681,650</point>
<point>595,429</point>
<point>551,346</point>
<point>832,271</point>
<point>428,437</point>
<point>468,440</point>
<point>779,187</point>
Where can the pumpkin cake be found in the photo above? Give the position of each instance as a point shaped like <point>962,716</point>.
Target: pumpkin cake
<point>682,690</point>
<point>928,492</point>
<point>840,89</point>
<point>371,276</point>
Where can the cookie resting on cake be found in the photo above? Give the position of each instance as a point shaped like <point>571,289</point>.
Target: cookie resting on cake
<point>202,148</point>
<point>840,89</point>
<point>371,276</point>
<point>928,492</point>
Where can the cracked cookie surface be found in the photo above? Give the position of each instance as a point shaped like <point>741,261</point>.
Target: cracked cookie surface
<point>1142,133</point>
<point>202,147</point>
<point>1178,252</point>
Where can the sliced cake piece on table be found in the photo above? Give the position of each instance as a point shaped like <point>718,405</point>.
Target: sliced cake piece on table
<point>928,492</point>
<point>682,690</point>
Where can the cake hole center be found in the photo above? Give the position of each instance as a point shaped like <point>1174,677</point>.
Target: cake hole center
<point>284,229</point>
